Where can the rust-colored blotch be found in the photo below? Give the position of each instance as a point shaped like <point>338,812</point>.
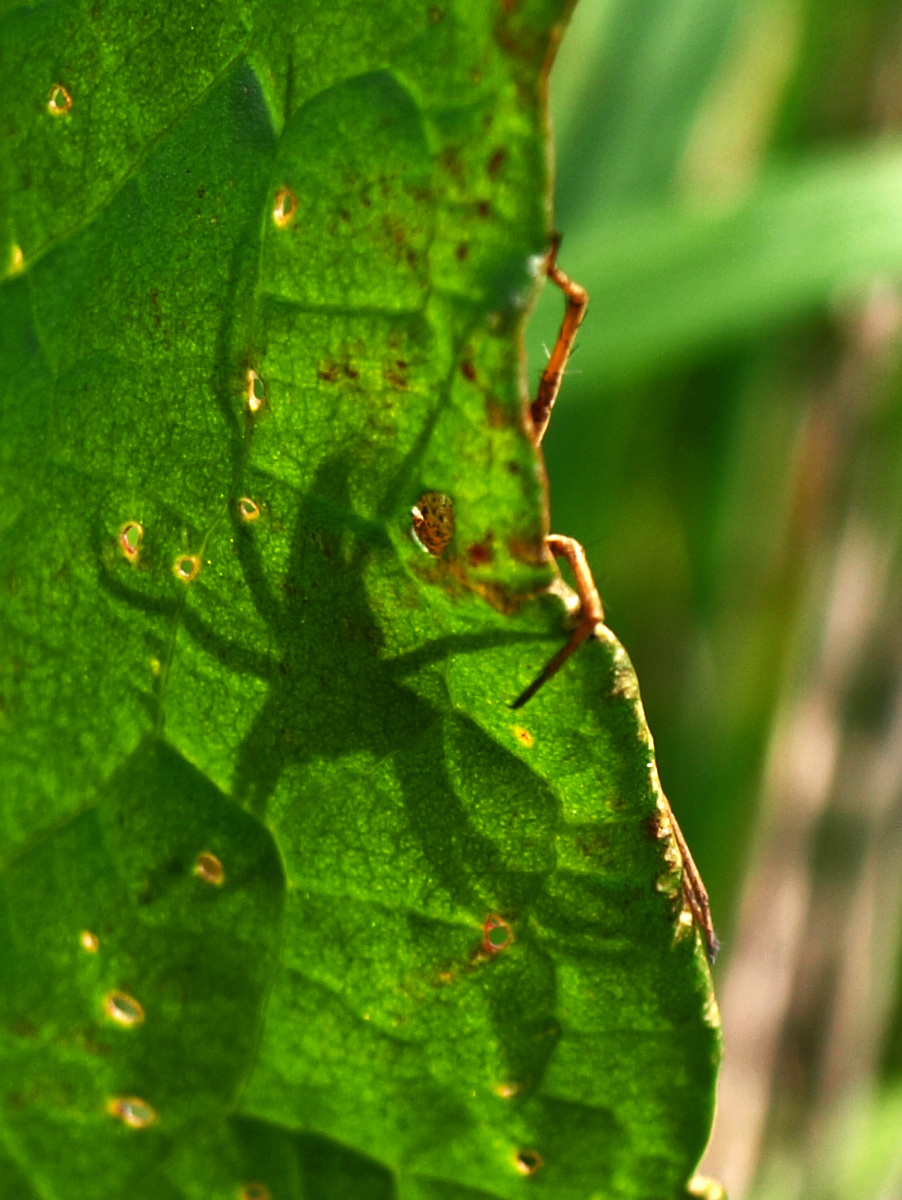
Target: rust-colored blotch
<point>255,1191</point>
<point>187,567</point>
<point>123,1008</point>
<point>433,522</point>
<point>89,941</point>
<point>209,868</point>
<point>497,934</point>
<point>131,535</point>
<point>284,207</point>
<point>132,1111</point>
<point>60,101</point>
<point>528,1161</point>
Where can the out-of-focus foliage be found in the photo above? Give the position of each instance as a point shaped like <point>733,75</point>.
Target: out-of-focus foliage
<point>728,448</point>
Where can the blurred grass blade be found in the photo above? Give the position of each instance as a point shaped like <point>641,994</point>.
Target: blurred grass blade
<point>668,282</point>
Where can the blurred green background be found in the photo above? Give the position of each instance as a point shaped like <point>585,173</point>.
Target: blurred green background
<point>728,447</point>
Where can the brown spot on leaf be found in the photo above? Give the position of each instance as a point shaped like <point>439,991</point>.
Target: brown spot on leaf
<point>496,414</point>
<point>481,553</point>
<point>528,550</point>
<point>496,162</point>
<point>255,1191</point>
<point>432,518</point>
<point>468,370</point>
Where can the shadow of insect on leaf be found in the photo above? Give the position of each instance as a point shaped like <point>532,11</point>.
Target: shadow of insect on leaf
<point>331,694</point>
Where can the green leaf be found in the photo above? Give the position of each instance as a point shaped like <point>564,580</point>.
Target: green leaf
<point>294,904</point>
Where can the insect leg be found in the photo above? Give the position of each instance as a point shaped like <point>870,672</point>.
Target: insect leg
<point>550,383</point>
<point>694,890</point>
<point>591,610</point>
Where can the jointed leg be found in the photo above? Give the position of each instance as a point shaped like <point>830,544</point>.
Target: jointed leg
<point>694,890</point>
<point>550,383</point>
<point>591,611</point>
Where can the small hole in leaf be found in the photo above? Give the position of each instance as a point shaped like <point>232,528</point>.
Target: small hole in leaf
<point>284,207</point>
<point>122,1008</point>
<point>256,391</point>
<point>187,567</point>
<point>247,509</point>
<point>432,518</point>
<point>523,736</point>
<point>209,868</point>
<point>496,934</point>
<point>60,101</point>
<point>131,535</point>
<point>255,1191</point>
<point>89,941</point>
<point>132,1111</point>
<point>528,1161</point>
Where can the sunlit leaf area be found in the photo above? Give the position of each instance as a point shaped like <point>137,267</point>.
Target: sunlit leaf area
<point>295,902</point>
<point>729,449</point>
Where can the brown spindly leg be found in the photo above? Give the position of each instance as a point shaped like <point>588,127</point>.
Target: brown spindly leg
<point>591,610</point>
<point>694,891</point>
<point>550,383</point>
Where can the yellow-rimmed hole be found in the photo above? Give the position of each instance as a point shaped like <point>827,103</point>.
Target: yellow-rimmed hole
<point>186,567</point>
<point>256,391</point>
<point>131,1111</point>
<point>123,1009</point>
<point>528,1161</point>
<point>131,535</point>
<point>496,934</point>
<point>60,101</point>
<point>209,868</point>
<point>284,207</point>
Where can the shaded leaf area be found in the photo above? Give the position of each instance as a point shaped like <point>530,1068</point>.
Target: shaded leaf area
<point>294,904</point>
